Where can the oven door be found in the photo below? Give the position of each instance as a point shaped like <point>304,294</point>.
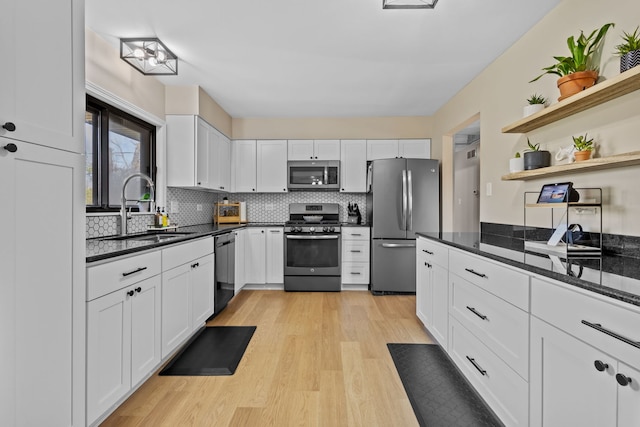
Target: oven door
<point>312,255</point>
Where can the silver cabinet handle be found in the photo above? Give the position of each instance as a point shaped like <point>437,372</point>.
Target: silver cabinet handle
<point>398,245</point>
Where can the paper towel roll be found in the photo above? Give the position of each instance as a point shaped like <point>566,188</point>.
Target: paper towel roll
<point>243,211</point>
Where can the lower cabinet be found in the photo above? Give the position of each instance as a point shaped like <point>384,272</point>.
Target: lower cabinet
<point>355,255</point>
<point>432,289</point>
<point>123,343</point>
<point>263,258</point>
<point>274,255</point>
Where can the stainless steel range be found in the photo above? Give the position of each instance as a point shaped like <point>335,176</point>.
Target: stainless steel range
<point>312,248</point>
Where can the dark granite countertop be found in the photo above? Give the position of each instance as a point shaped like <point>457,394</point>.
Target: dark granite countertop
<point>612,275</point>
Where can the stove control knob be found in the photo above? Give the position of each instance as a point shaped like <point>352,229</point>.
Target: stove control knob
<point>325,229</point>
<point>298,229</point>
<point>312,229</point>
<point>332,229</point>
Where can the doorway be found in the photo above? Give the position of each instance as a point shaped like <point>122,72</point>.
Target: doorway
<point>466,179</point>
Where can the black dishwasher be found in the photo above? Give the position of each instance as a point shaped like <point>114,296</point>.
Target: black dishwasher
<point>225,270</point>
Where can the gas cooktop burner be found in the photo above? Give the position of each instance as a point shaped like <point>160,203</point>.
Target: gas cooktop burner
<point>302,222</point>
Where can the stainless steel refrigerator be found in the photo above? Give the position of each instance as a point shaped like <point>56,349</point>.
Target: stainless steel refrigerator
<point>404,198</point>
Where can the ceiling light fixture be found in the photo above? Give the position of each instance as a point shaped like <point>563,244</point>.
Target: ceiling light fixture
<point>409,4</point>
<point>149,56</point>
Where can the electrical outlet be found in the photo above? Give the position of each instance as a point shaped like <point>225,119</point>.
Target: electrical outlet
<point>586,211</point>
<point>174,206</point>
<point>489,189</point>
<point>199,207</point>
<point>269,207</point>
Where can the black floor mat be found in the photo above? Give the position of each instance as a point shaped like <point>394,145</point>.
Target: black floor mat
<point>439,395</point>
<point>215,350</point>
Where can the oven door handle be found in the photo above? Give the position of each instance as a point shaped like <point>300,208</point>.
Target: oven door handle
<point>312,237</point>
<point>398,245</point>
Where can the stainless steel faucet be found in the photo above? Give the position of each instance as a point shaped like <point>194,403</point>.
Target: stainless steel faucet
<point>123,200</point>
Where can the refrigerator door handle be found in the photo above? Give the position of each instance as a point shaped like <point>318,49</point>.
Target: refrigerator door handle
<point>410,203</point>
<point>398,245</point>
<point>404,199</point>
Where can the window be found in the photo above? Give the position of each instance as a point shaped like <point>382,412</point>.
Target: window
<point>116,145</point>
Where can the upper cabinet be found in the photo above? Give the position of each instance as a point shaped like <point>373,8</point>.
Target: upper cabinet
<point>244,160</point>
<point>198,155</point>
<point>43,106</point>
<point>271,166</point>
<point>309,149</point>
<point>353,170</point>
<point>398,148</point>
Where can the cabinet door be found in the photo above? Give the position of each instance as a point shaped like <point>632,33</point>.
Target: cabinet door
<point>239,260</point>
<point>629,397</point>
<point>221,158</point>
<point>182,149</point>
<point>275,255</point>
<point>326,149</point>
<point>46,107</point>
<point>414,148</point>
<point>300,149</point>
<point>255,256</point>
<point>272,166</point>
<point>176,304</point>
<point>353,166</point>
<point>566,387</point>
<point>146,345</point>
<point>108,351</point>
<point>204,154</point>
<point>42,285</point>
<point>202,287</point>
<point>440,305</point>
<point>382,149</point>
<point>424,290</point>
<point>244,162</point>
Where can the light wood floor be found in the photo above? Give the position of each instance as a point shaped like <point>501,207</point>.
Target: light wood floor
<point>316,359</point>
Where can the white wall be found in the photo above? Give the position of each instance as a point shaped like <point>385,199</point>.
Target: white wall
<point>499,93</point>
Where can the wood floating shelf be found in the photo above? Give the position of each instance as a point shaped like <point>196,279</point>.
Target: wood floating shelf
<point>563,205</point>
<point>617,161</point>
<point>615,87</point>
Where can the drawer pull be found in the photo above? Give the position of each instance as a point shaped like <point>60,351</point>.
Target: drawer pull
<point>472,271</point>
<point>356,251</point>
<point>475,365</point>
<point>355,272</point>
<point>598,327</point>
<point>429,252</point>
<point>623,380</point>
<point>600,365</point>
<point>137,270</point>
<point>474,311</point>
<point>197,264</point>
<point>356,234</point>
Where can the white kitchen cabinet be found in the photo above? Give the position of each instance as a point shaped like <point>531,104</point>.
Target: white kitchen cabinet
<point>198,156</point>
<point>123,343</point>
<point>187,290</point>
<point>575,368</point>
<point>272,166</point>
<point>355,255</point>
<point>240,280</point>
<point>255,256</point>
<point>42,296</point>
<point>245,164</point>
<point>353,166</point>
<point>398,148</point>
<point>310,149</point>
<point>46,108</point>
<point>274,255</point>
<point>432,288</point>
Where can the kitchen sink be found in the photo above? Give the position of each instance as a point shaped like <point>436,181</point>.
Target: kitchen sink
<point>152,236</point>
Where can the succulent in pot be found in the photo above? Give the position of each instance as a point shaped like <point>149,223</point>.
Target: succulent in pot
<point>535,103</point>
<point>584,146</point>
<point>578,71</point>
<point>535,158</point>
<point>629,51</point>
<point>516,164</point>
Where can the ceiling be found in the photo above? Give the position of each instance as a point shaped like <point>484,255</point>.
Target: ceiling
<point>329,58</point>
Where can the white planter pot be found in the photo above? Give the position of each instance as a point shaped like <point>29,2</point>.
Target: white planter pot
<point>532,109</point>
<point>516,164</point>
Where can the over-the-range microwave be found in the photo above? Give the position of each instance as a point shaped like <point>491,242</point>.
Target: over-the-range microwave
<point>305,175</point>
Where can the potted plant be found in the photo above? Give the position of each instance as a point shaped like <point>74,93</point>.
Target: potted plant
<point>536,103</point>
<point>578,71</point>
<point>629,51</point>
<point>584,147</point>
<point>534,158</point>
<point>516,164</point>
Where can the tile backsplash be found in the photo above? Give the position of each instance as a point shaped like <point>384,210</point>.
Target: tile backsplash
<point>262,207</point>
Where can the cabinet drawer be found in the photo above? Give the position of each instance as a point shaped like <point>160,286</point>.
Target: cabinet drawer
<point>174,256</point>
<point>355,233</point>
<point>502,327</point>
<point>567,309</point>
<point>506,283</point>
<point>111,276</point>
<point>433,252</point>
<point>355,273</point>
<point>504,390</point>
<point>355,251</point>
